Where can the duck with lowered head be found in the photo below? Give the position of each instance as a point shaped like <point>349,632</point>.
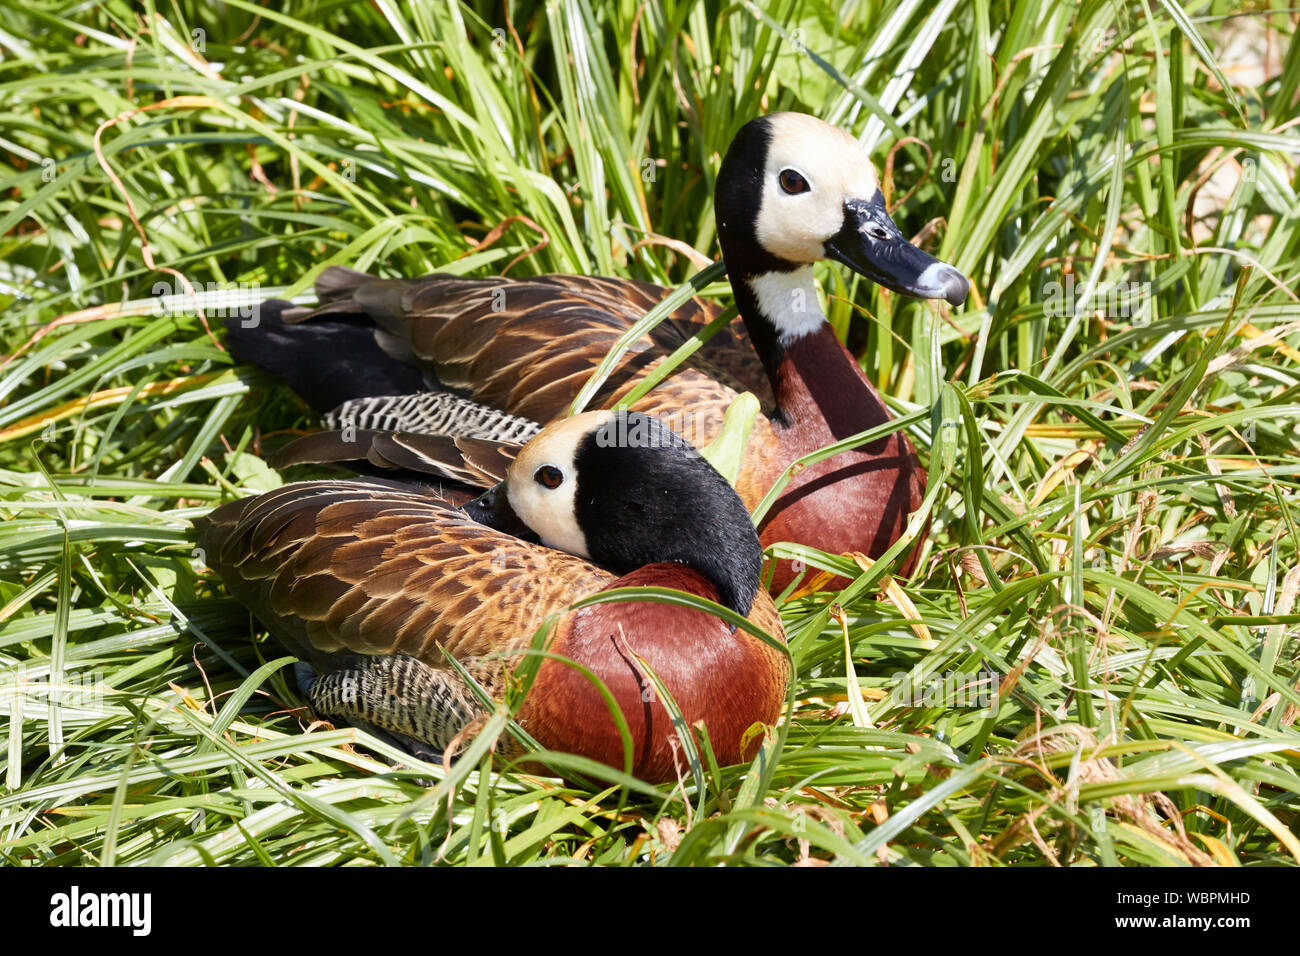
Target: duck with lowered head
<point>375,584</point>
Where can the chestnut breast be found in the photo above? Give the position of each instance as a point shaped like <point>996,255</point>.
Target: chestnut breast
<point>727,680</point>
<point>857,500</point>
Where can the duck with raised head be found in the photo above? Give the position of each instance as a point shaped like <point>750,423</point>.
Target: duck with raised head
<point>374,583</point>
<point>791,191</point>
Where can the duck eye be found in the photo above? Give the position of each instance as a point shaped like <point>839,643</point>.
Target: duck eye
<point>548,476</point>
<point>793,182</point>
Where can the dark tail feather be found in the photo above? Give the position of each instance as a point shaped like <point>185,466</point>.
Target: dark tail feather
<point>335,290</point>
<point>326,362</point>
<point>334,282</point>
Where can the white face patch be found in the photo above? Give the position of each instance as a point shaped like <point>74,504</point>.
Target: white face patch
<point>788,300</point>
<point>550,511</point>
<point>836,168</point>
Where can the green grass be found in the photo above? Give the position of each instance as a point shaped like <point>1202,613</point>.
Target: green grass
<point>1111,487</point>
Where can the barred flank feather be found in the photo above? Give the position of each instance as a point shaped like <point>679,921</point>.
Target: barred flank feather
<point>403,695</point>
<point>432,413</point>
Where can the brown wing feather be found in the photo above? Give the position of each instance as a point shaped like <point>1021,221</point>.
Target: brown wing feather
<point>475,462</point>
<point>367,567</point>
<point>528,346</point>
<point>490,458</point>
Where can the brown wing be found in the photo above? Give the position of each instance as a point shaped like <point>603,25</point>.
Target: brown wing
<point>527,346</point>
<point>474,462</point>
<point>333,567</point>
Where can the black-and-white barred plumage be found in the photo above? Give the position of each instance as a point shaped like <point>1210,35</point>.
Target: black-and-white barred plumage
<point>402,695</point>
<point>432,413</point>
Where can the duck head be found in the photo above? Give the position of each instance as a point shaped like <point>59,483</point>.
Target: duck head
<point>624,490</point>
<point>793,190</point>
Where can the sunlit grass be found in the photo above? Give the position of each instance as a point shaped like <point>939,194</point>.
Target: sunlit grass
<point>1112,545</point>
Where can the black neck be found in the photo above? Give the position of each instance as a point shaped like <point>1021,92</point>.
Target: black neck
<point>764,336</point>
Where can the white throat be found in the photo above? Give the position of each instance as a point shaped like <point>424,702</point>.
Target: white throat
<point>788,300</point>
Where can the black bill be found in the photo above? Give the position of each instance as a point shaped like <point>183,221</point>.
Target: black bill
<point>492,508</point>
<point>871,245</point>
